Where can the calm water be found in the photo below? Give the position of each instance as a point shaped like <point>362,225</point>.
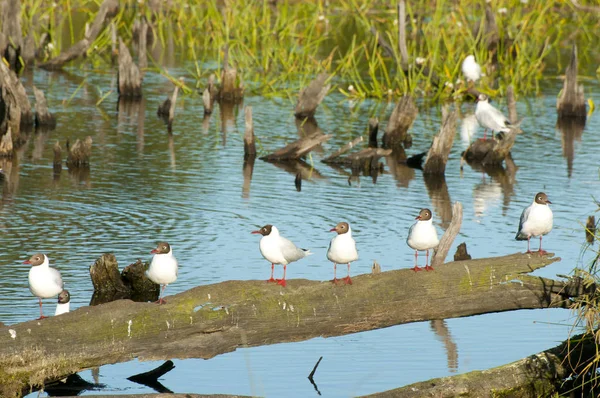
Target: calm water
<point>189,190</point>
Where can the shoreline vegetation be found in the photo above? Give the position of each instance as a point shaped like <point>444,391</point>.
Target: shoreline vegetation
<point>278,46</point>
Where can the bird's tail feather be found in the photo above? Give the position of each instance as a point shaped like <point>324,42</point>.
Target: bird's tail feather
<point>520,236</point>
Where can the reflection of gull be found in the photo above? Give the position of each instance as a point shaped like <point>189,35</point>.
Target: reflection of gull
<point>468,128</point>
<point>484,195</point>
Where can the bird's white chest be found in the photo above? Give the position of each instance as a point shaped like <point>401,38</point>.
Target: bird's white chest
<point>270,248</point>
<point>422,236</point>
<point>42,282</point>
<point>62,308</point>
<point>539,221</point>
<point>163,269</point>
<point>342,249</point>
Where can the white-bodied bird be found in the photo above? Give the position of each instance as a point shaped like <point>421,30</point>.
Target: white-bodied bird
<point>536,220</point>
<point>471,69</point>
<point>163,268</point>
<point>342,249</point>
<point>44,281</point>
<point>64,303</point>
<point>490,117</point>
<point>422,235</point>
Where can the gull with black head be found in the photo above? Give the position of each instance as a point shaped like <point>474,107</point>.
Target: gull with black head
<point>44,281</point>
<point>536,220</point>
<point>422,235</point>
<point>278,250</point>
<point>490,117</point>
<point>64,303</point>
<point>342,249</point>
<point>163,268</point>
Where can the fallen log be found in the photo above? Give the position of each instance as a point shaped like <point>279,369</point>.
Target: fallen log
<point>571,100</point>
<point>554,372</point>
<point>43,117</point>
<point>107,11</point>
<point>311,96</point>
<point>213,319</point>
<point>129,79</point>
<point>297,149</point>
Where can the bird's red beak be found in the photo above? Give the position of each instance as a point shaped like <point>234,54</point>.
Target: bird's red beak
<point>154,251</point>
<point>26,262</point>
<point>417,217</point>
<point>255,232</point>
<point>332,230</point>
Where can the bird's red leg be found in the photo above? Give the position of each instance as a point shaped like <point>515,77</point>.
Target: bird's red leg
<point>271,278</point>
<point>282,281</point>
<point>416,267</point>
<point>528,251</point>
<point>160,299</point>
<point>334,280</point>
<point>427,266</point>
<point>542,252</point>
<point>41,314</point>
<point>348,280</point>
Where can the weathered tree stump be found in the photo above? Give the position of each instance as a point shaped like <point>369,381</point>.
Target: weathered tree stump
<point>396,131</point>
<point>79,154</point>
<point>108,10</point>
<point>571,100</point>
<point>311,96</point>
<point>129,79</point>
<point>166,110</point>
<point>43,117</point>
<point>442,144</point>
<point>297,149</point>
<point>209,95</point>
<point>14,102</point>
<point>230,89</point>
<point>12,45</point>
<point>249,145</point>
<point>6,144</point>
<point>461,253</point>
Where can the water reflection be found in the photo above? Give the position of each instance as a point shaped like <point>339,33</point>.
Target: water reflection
<point>247,171</point>
<point>440,328</point>
<point>437,189</point>
<point>502,184</point>
<point>468,129</point>
<point>228,112</point>
<point>401,172</point>
<point>571,130</point>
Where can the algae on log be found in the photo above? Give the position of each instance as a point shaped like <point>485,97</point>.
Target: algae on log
<point>214,319</point>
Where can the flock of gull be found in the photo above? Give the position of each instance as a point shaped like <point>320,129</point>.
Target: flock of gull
<point>536,221</point>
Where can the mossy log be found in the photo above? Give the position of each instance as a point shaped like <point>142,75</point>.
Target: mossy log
<point>214,319</point>
<point>107,11</point>
<point>310,97</point>
<point>556,371</point>
<point>571,100</point>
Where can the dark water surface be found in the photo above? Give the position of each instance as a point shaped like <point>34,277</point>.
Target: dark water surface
<point>189,190</point>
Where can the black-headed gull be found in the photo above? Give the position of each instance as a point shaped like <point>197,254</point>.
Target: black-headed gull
<point>471,69</point>
<point>44,281</point>
<point>64,303</point>
<point>278,250</point>
<point>422,235</point>
<point>490,117</point>
<point>163,268</point>
<point>536,220</point>
<point>342,249</point>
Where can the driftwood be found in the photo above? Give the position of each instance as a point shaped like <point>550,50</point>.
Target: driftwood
<point>249,145</point>
<point>107,11</point>
<point>11,30</point>
<point>442,144</point>
<point>110,284</point>
<point>129,79</point>
<point>310,97</point>
<point>366,159</point>
<point>557,371</point>
<point>43,117</point>
<point>214,319</point>
<point>571,100</point>
<point>448,238</point>
<point>402,117</point>
<point>297,149</point>
<point>79,154</point>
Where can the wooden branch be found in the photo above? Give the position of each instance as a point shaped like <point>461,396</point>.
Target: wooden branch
<point>107,11</point>
<point>402,117</point>
<point>548,373</point>
<point>571,100</point>
<point>218,318</point>
<point>448,238</point>
<point>43,117</point>
<point>442,144</point>
<point>335,155</point>
<point>298,148</point>
<point>402,34</point>
<point>249,145</point>
<point>310,97</point>
<point>129,79</point>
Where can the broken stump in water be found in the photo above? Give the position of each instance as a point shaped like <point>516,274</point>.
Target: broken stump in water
<point>442,144</point>
<point>110,284</point>
<point>310,97</point>
<point>396,131</point>
<point>11,30</point>
<point>571,100</point>
<point>166,111</point>
<point>209,95</point>
<point>231,90</point>
<point>129,79</point>
<point>6,144</point>
<point>461,253</point>
<point>79,154</point>
<point>43,117</point>
<point>16,109</point>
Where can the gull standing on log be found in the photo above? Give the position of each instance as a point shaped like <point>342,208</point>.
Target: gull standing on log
<point>536,220</point>
<point>64,303</point>
<point>422,235</point>
<point>44,281</point>
<point>490,117</point>
<point>163,268</point>
<point>471,69</point>
<point>342,249</point>
<point>278,250</point>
